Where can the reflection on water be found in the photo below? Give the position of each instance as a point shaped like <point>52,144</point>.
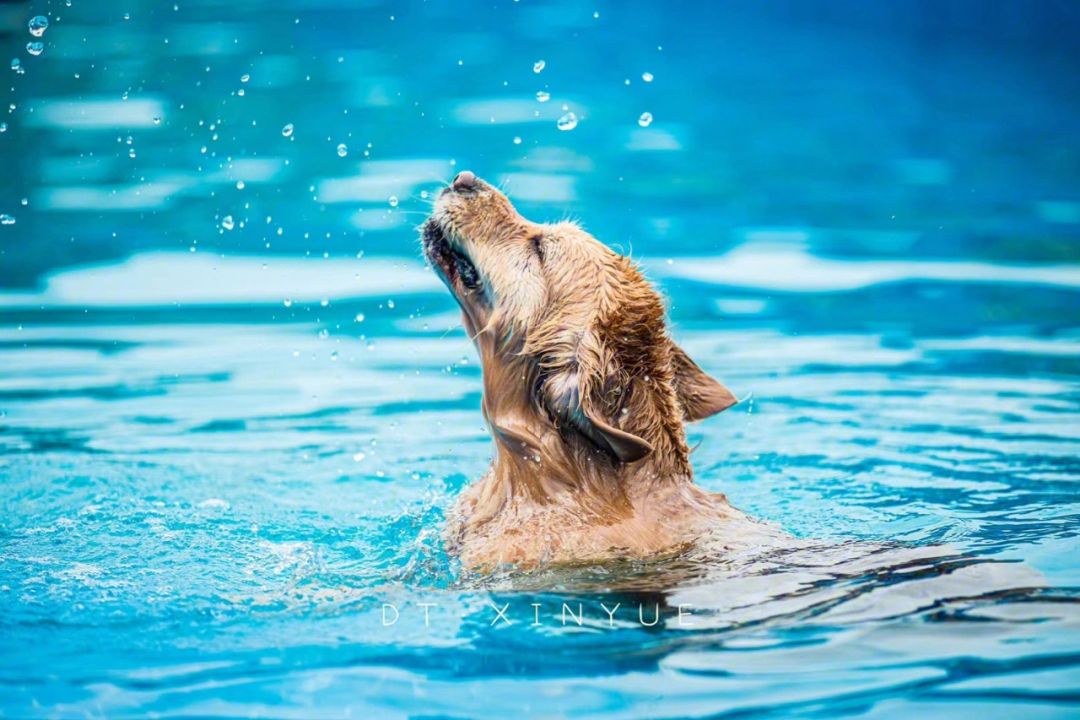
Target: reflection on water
<point>234,404</point>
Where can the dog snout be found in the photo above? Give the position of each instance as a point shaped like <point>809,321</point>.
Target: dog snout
<point>464,180</point>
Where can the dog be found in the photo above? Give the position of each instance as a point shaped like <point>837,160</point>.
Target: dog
<point>585,394</point>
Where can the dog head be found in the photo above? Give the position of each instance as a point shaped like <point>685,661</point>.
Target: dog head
<point>569,332</point>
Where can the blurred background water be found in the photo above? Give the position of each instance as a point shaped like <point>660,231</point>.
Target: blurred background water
<point>234,405</point>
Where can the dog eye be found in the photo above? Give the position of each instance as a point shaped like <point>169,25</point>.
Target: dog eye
<point>538,247</point>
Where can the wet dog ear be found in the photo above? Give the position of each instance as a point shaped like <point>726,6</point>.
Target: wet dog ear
<point>700,395</point>
<point>575,391</point>
<point>625,446</point>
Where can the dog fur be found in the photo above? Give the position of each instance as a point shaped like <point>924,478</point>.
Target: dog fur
<point>585,393</point>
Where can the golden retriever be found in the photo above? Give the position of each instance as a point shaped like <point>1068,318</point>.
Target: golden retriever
<point>585,393</point>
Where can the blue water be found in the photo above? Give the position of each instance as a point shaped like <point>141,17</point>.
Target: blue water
<point>235,406</point>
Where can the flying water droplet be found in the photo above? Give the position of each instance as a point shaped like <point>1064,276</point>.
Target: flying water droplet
<point>38,25</point>
<point>393,201</point>
<point>645,120</point>
<point>16,64</point>
<point>542,96</point>
<point>517,140</point>
<point>359,317</point>
<point>157,121</point>
<point>244,78</point>
<point>287,130</point>
<point>3,127</point>
<point>228,223</point>
<point>240,185</point>
<point>647,77</point>
<point>287,302</point>
<point>539,66</point>
<point>567,122</point>
<point>35,48</point>
<point>342,150</point>
<point>6,219</point>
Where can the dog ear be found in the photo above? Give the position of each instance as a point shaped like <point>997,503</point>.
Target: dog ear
<point>573,392</point>
<point>700,395</point>
<point>627,447</point>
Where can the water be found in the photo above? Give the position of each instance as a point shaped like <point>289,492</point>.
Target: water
<point>224,447</point>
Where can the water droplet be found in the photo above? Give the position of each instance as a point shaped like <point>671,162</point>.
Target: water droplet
<point>393,201</point>
<point>342,150</point>
<point>228,223</point>
<point>645,120</point>
<point>647,77</point>
<point>16,64</point>
<point>390,304</point>
<point>287,130</point>
<point>324,302</point>
<point>35,48</point>
<point>157,121</point>
<point>359,317</point>
<point>357,457</point>
<point>424,194</point>
<point>244,78</point>
<point>567,121</point>
<point>240,185</point>
<point>131,153</point>
<point>287,302</point>
<point>127,16</point>
<point>539,66</point>
<point>6,220</point>
<point>517,140</point>
<point>38,25</point>
<point>3,127</point>
<point>542,96</point>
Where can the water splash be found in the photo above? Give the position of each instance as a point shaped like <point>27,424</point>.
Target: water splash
<point>38,25</point>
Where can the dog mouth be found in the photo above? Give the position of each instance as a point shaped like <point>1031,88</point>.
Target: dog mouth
<point>449,260</point>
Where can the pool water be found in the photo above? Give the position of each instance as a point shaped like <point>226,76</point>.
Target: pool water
<point>227,446</point>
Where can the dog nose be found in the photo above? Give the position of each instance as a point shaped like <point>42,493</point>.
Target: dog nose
<point>464,180</point>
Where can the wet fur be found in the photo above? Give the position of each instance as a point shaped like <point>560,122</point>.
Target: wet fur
<point>585,394</point>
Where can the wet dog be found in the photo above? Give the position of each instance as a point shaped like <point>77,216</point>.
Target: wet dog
<point>585,393</point>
